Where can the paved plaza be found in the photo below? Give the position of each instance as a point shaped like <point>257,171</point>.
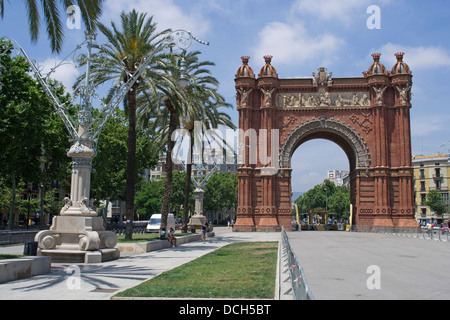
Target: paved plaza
<point>335,265</point>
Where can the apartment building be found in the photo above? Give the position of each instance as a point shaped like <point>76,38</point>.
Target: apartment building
<point>159,172</point>
<point>431,172</point>
<point>339,177</point>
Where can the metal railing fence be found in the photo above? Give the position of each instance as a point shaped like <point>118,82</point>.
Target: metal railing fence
<point>435,233</point>
<point>290,266</point>
<point>16,237</point>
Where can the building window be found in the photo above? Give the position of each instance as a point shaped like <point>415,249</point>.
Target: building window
<point>438,185</point>
<point>422,185</point>
<point>445,197</point>
<point>423,212</point>
<point>437,171</point>
<point>422,173</point>
<point>423,199</point>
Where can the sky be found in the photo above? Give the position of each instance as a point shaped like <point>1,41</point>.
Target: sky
<point>301,35</point>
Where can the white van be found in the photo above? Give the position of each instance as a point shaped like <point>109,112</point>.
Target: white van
<point>154,224</point>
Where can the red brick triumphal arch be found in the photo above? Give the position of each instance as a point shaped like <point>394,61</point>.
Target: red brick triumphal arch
<point>368,117</point>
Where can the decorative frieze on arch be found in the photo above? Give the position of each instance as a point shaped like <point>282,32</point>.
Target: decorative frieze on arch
<point>303,130</point>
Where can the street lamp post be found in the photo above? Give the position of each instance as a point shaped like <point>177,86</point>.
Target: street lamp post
<point>29,206</point>
<point>199,181</point>
<point>183,40</point>
<point>78,233</point>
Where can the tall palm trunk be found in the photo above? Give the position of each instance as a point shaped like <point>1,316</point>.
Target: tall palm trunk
<point>187,186</point>
<point>131,163</point>
<point>173,123</point>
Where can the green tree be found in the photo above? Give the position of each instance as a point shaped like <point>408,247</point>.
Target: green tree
<point>32,137</point>
<point>52,203</point>
<point>118,59</point>
<point>90,12</point>
<point>339,202</point>
<point>178,192</point>
<point>436,202</point>
<point>54,162</point>
<point>221,192</point>
<point>148,200</point>
<point>200,102</point>
<point>316,197</point>
<point>109,166</point>
<point>326,195</point>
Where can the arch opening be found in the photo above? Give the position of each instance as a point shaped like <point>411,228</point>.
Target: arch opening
<point>318,158</point>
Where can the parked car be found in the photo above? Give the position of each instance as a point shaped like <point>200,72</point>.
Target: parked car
<point>154,224</point>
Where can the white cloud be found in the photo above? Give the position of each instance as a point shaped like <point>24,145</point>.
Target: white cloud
<point>166,14</point>
<point>290,43</point>
<point>416,57</point>
<point>67,72</point>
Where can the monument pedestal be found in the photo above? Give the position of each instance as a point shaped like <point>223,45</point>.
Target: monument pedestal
<point>77,239</point>
<point>198,219</point>
<point>78,235</point>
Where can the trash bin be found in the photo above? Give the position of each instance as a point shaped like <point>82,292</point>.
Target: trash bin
<point>30,248</point>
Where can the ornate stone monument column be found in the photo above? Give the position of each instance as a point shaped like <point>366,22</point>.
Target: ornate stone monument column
<point>198,219</point>
<point>199,181</point>
<point>78,234</point>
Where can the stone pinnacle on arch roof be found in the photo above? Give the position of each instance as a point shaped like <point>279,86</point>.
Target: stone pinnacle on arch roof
<point>377,67</point>
<point>268,70</point>
<point>245,70</point>
<point>400,67</point>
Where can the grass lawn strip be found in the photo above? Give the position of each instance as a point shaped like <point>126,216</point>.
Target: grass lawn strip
<point>9,256</point>
<point>239,270</point>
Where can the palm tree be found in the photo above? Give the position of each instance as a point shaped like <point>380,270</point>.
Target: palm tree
<point>200,102</point>
<point>167,117</point>
<point>209,101</point>
<point>91,11</point>
<point>118,59</point>
<point>173,103</point>
<point>204,101</point>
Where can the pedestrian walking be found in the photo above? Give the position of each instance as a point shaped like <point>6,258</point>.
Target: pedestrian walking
<point>204,229</point>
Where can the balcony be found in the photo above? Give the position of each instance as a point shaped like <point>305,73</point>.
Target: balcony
<point>438,176</point>
<point>441,188</point>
